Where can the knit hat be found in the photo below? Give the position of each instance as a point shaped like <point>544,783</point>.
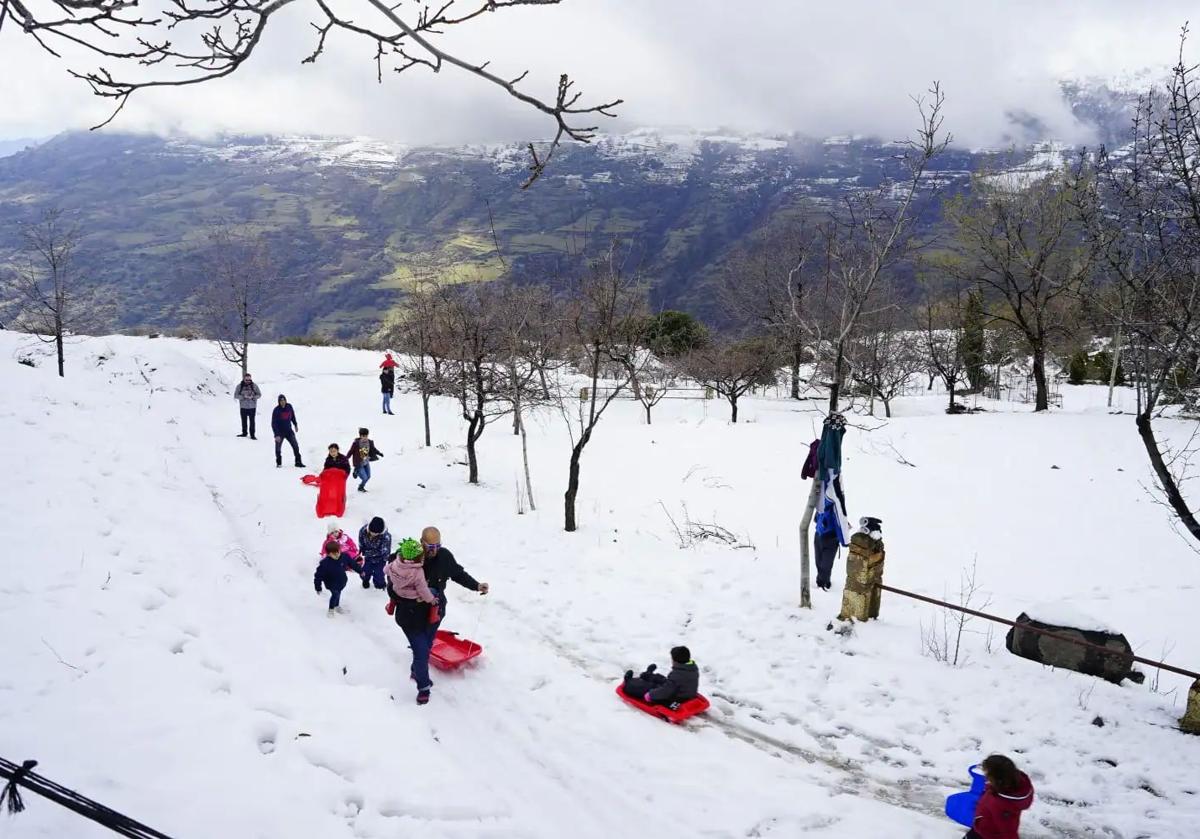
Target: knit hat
<point>410,549</point>
<point>333,525</point>
<point>376,526</point>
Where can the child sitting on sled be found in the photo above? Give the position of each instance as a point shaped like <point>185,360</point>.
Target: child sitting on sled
<point>680,685</point>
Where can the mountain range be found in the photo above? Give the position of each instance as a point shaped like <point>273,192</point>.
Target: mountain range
<point>355,221</point>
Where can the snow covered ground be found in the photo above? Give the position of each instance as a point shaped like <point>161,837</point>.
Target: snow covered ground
<point>164,651</point>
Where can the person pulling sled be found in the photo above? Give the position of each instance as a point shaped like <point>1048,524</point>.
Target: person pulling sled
<point>415,609</point>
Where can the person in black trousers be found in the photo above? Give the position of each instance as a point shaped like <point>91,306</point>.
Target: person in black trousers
<point>247,394</point>
<point>387,383</point>
<point>284,426</point>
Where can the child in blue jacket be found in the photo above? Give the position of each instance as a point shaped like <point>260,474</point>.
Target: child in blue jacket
<point>331,571</point>
<point>375,549</point>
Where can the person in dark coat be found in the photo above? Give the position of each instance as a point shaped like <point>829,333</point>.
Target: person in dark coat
<point>336,460</point>
<point>680,685</point>
<point>362,454</point>
<point>284,426</point>
<point>331,572</point>
<point>374,546</point>
<point>387,383</point>
<point>247,394</point>
<point>440,568</point>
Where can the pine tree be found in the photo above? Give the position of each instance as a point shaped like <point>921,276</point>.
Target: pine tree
<point>1077,368</point>
<point>974,343</point>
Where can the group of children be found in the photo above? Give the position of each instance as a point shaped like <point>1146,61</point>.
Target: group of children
<point>373,561</point>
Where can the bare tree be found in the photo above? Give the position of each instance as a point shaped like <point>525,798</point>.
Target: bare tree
<point>49,297</point>
<point>416,334</point>
<point>1144,219</point>
<point>473,371</point>
<point>1022,241</point>
<point>603,305</point>
<point>191,42</point>
<point>883,357</point>
<point>733,368</point>
<point>871,233</point>
<point>649,382</point>
<point>942,333</point>
<point>764,284</point>
<point>239,285</point>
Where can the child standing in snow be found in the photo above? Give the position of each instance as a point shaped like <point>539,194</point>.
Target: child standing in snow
<point>331,572</point>
<point>375,546</point>
<point>362,454</point>
<point>415,609</point>
<point>1009,792</point>
<point>680,685</point>
<point>336,460</point>
<point>334,533</point>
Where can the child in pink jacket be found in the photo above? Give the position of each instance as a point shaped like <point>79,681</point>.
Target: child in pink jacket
<point>344,540</point>
<point>415,609</point>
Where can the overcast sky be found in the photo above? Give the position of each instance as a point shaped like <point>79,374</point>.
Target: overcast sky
<point>820,68</point>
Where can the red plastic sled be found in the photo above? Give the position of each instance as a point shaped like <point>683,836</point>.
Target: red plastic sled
<point>331,493</point>
<point>451,652</point>
<point>311,480</point>
<point>685,710</point>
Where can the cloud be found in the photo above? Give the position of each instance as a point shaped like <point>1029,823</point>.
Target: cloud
<point>818,68</point>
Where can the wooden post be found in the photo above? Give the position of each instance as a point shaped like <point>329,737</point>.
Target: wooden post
<point>864,576</point>
<point>1190,722</point>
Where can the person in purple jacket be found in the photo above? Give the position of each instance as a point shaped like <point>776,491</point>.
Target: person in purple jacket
<point>284,426</point>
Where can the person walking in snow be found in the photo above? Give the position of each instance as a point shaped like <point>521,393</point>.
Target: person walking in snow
<point>415,608</point>
<point>387,383</point>
<point>331,572</point>
<point>680,685</point>
<point>334,533</point>
<point>362,454</point>
<point>247,394</point>
<point>441,567</point>
<point>284,426</point>
<point>375,547</point>
<point>1008,793</point>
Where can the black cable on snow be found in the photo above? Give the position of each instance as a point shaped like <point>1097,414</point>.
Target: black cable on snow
<point>22,775</point>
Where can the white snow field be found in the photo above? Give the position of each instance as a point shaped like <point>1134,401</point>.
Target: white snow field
<point>164,652</point>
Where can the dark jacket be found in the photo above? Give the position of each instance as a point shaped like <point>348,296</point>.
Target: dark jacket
<point>374,548</point>
<point>387,381</point>
<point>332,572</point>
<point>998,815</point>
<point>682,684</point>
<point>283,418</point>
<point>442,566</point>
<point>361,450</point>
<point>339,462</point>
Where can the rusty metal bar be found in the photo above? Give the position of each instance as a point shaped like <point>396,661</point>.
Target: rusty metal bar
<point>1024,626</point>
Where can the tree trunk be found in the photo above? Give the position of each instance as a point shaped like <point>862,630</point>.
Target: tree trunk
<point>797,358</point>
<point>950,387</point>
<point>472,460</point>
<point>545,384</point>
<point>887,407</point>
<point>58,345</point>
<point>733,400</point>
<point>573,486</point>
<point>1116,363</point>
<point>425,410</point>
<point>647,407</point>
<point>835,390</point>
<point>1165,479</point>
<point>805,522</point>
<point>1041,401</point>
<point>245,348</point>
<point>525,461</point>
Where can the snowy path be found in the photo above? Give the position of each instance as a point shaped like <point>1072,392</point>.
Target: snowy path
<point>168,651</point>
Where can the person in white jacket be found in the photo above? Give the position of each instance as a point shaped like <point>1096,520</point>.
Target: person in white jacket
<point>247,394</point>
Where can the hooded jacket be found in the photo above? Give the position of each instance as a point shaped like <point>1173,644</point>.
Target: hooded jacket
<point>331,572</point>
<point>374,547</point>
<point>407,580</point>
<point>349,549</point>
<point>387,381</point>
<point>363,448</point>
<point>998,815</point>
<point>283,418</point>
<point>682,684</point>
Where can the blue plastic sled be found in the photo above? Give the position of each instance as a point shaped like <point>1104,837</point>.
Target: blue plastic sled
<point>676,712</point>
<point>961,806</point>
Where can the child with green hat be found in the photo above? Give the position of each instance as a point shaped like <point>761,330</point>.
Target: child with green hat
<point>414,607</point>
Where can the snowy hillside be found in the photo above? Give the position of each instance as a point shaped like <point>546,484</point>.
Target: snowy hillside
<point>164,651</point>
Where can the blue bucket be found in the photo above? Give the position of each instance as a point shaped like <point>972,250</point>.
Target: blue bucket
<point>960,807</point>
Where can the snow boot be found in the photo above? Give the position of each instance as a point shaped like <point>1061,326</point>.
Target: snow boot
<point>362,489</point>
<point>278,463</point>
<point>366,581</point>
<point>423,697</point>
<point>299,465</point>
<point>243,434</point>
<point>329,614</point>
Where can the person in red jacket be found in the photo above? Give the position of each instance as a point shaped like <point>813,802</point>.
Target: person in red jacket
<point>388,362</point>
<point>1008,793</point>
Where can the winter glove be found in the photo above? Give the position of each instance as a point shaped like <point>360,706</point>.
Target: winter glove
<point>650,668</point>
<point>646,698</point>
<point>318,588</point>
<point>390,608</point>
<point>484,588</point>
<point>434,614</point>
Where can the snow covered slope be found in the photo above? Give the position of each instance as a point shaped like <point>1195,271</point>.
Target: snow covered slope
<point>164,651</point>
